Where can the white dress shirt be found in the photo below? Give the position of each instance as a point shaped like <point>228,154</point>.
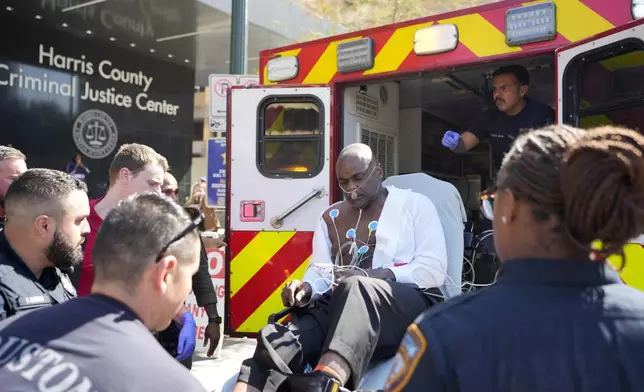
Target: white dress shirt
<point>409,241</point>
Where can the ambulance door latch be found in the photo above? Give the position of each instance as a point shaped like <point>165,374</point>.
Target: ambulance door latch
<point>252,211</point>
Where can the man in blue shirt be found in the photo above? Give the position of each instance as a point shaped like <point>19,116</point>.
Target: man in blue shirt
<point>516,114</point>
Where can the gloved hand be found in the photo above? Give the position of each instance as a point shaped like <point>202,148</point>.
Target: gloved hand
<point>450,139</point>
<point>187,337</point>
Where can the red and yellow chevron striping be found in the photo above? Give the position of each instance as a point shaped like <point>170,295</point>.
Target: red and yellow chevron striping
<point>261,263</point>
<point>481,36</point>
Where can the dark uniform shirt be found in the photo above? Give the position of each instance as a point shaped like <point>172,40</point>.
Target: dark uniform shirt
<point>502,130</point>
<point>92,343</point>
<point>546,325</point>
<point>20,290</point>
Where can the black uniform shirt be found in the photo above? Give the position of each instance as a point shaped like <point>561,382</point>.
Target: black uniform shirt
<point>93,343</point>
<point>502,130</point>
<point>546,325</point>
<point>20,290</point>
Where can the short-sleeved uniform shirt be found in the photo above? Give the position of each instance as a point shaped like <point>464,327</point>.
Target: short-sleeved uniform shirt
<point>546,325</point>
<point>502,130</point>
<point>87,270</point>
<point>93,343</point>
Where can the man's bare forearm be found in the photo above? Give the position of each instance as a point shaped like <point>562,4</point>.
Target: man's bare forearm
<point>460,147</point>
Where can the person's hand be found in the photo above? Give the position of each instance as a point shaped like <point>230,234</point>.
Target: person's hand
<point>212,334</point>
<point>187,337</point>
<point>296,293</point>
<point>450,139</point>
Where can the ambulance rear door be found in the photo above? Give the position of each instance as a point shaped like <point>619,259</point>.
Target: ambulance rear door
<point>279,171</point>
<point>600,80</point>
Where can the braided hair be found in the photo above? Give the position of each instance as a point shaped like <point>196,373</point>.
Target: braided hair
<point>591,182</point>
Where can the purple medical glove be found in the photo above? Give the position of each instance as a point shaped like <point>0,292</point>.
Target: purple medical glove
<point>450,139</point>
<point>187,337</point>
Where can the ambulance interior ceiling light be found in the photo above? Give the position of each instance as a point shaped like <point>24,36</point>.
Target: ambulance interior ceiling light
<point>356,55</point>
<point>282,68</point>
<point>531,23</point>
<point>637,9</point>
<point>435,39</point>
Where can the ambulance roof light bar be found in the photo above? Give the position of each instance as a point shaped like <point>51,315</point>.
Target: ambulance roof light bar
<point>282,68</point>
<point>637,9</point>
<point>531,23</point>
<point>435,39</point>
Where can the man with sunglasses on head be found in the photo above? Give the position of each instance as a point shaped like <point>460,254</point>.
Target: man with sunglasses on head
<point>201,285</point>
<point>102,342</point>
<point>46,225</point>
<point>515,113</point>
<point>343,322</point>
<point>135,168</point>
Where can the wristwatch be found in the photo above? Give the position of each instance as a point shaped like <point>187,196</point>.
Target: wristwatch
<point>216,320</point>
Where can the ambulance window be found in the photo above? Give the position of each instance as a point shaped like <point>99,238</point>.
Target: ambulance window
<point>291,142</point>
<point>609,87</point>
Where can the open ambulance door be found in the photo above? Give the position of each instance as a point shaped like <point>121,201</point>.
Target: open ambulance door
<point>601,82</point>
<point>279,177</point>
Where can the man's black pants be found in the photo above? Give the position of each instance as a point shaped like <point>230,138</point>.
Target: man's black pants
<point>363,320</point>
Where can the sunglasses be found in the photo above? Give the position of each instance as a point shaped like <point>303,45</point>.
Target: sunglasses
<point>486,202</point>
<point>189,229</point>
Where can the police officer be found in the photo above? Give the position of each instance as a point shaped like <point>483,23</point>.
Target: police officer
<point>46,223</point>
<point>516,113</point>
<point>12,164</point>
<point>559,318</point>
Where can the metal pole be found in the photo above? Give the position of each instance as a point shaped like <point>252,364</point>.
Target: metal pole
<point>238,37</point>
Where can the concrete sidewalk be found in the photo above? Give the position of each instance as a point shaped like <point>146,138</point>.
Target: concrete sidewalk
<point>215,373</point>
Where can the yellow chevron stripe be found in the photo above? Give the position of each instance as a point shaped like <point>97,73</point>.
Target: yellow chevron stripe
<point>273,303</point>
<point>292,52</point>
<point>396,50</point>
<point>246,264</point>
<point>633,269</point>
<point>480,36</point>
<point>593,121</point>
<point>632,59</point>
<point>326,66</point>
<point>575,21</point>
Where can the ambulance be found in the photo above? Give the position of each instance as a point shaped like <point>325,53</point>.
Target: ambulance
<point>398,88</point>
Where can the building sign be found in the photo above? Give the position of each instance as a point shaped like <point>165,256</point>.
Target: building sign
<point>61,94</point>
<point>216,194</point>
<point>37,79</point>
<point>95,134</point>
<point>219,86</point>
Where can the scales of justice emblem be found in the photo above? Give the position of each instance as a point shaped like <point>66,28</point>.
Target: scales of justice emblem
<point>95,134</point>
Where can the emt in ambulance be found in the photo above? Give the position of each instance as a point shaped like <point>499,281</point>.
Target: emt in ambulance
<point>135,168</point>
<point>46,225</point>
<point>559,318</point>
<point>516,114</point>
<point>394,240</point>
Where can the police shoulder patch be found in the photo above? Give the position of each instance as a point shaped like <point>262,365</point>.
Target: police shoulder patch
<point>411,350</point>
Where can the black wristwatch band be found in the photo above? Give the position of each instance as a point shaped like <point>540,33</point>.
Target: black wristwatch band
<point>216,320</point>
